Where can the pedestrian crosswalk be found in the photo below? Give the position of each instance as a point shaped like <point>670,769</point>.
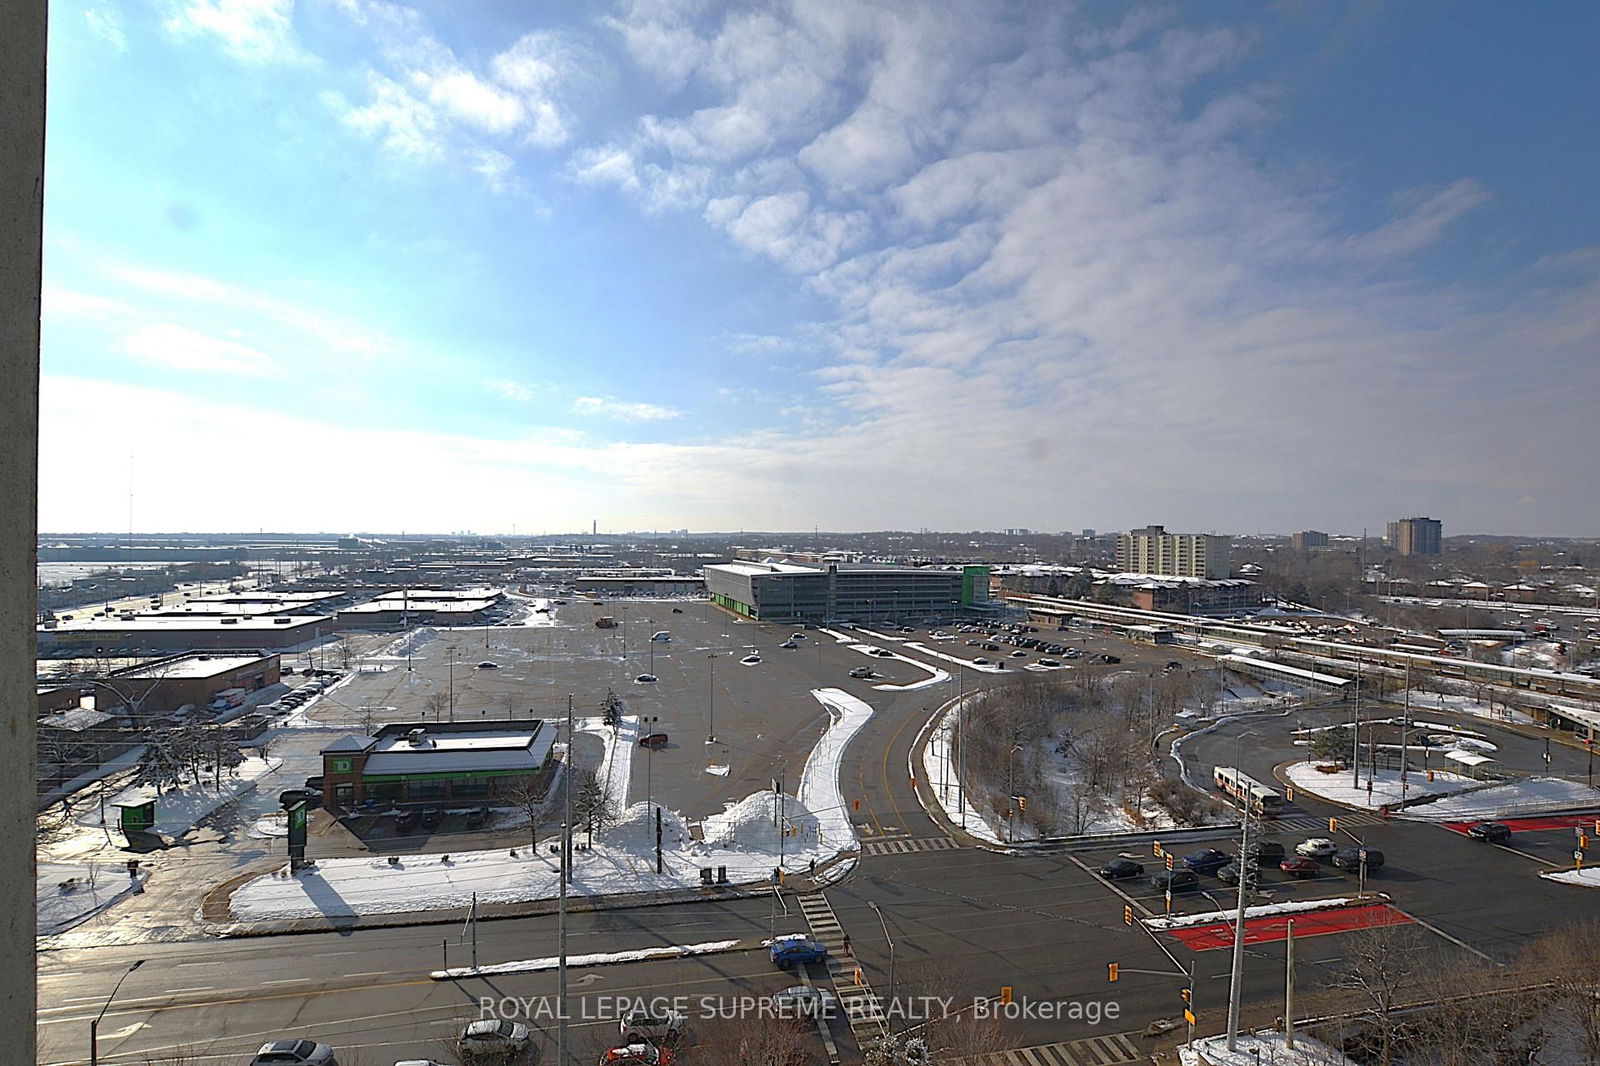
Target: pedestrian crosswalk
<point>1309,823</point>
<point>862,1007</point>
<point>907,844</point>
<point>1091,1051</point>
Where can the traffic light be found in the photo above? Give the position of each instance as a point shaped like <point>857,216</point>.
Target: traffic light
<point>1155,847</point>
<point>1168,859</point>
<point>1111,971</point>
<point>1288,794</point>
<point>1005,994</point>
<point>1127,913</point>
<point>1188,996</point>
<point>1022,804</point>
<point>1333,825</point>
<point>857,804</point>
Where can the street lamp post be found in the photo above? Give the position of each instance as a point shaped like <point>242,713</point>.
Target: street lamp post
<point>94,1026</point>
<point>1235,979</point>
<point>879,912</point>
<point>711,701</point>
<point>1011,788</point>
<point>452,660</point>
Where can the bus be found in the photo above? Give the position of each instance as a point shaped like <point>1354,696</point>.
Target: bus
<point>1248,792</point>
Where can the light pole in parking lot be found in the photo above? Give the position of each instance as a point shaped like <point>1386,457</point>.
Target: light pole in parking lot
<point>711,701</point>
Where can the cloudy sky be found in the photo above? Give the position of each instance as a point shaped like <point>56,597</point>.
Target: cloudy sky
<point>328,265</point>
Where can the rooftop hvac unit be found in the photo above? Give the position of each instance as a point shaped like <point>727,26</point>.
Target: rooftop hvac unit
<point>417,737</point>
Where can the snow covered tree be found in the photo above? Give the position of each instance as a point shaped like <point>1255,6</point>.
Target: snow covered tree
<point>161,763</point>
<point>611,709</point>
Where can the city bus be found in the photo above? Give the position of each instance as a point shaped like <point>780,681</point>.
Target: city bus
<point>1248,792</point>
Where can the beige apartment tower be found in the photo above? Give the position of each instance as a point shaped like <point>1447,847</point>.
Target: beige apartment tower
<point>1416,536</point>
<point>1152,550</point>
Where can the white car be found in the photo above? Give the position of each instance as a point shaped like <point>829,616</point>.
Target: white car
<point>665,1027</point>
<point>750,660</point>
<point>804,1001</point>
<point>489,1038</point>
<point>646,679</point>
<point>1316,848</point>
<point>294,1053</point>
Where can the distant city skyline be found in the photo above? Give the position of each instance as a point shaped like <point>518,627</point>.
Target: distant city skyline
<point>357,264</point>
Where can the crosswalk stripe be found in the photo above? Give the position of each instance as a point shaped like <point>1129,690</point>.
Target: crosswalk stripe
<point>906,845</point>
<point>1116,1049</point>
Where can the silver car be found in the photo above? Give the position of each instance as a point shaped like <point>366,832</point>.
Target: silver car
<point>489,1038</point>
<point>294,1053</point>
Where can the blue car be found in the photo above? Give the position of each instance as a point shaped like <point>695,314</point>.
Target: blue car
<point>797,951</point>
<point>1208,861</point>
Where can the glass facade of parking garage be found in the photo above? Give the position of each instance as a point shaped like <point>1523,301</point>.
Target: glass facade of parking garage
<point>777,592</point>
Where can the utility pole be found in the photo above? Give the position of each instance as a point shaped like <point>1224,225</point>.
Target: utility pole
<point>1405,734</point>
<point>1355,735</point>
<point>1288,986</point>
<point>1236,979</point>
<point>561,906</point>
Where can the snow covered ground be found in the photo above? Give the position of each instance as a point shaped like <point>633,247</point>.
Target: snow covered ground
<point>1588,877</point>
<point>743,839</point>
<point>616,764</point>
<point>67,893</point>
<point>965,664</point>
<point>1386,789</point>
<point>937,676</point>
<point>1461,704</point>
<point>1300,906</point>
<point>939,772</point>
<point>179,808</point>
<point>1262,1049</point>
<point>672,951</point>
<point>1532,795</point>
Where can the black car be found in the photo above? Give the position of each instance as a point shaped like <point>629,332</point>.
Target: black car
<point>677,610</point>
<point>1267,852</point>
<point>290,797</point>
<point>1175,881</point>
<point>1493,832</point>
<point>431,818</point>
<point>1117,869</point>
<point>314,782</point>
<point>1350,858</point>
<point>1229,874</point>
<point>1207,861</point>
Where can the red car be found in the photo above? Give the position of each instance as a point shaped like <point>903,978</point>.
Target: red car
<point>656,741</point>
<point>1300,866</point>
<point>640,1054</point>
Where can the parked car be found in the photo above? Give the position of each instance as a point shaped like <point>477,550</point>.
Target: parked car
<point>981,661</point>
<point>797,950</point>
<point>1206,861</point>
<point>487,665</point>
<point>1267,852</point>
<point>1175,881</point>
<point>653,741</point>
<point>314,782</point>
<point>1316,848</point>
<point>804,1001</point>
<point>1049,662</point>
<point>882,652</point>
<point>294,1053</point>
<point>861,671</point>
<point>490,1038</point>
<point>788,644</point>
<point>750,660</point>
<point>1111,658</point>
<point>1493,832</point>
<point>1350,858</point>
<point>478,818</point>
<point>664,1027</point>
<point>1300,866</point>
<point>646,679</point>
<point>1229,874</point>
<point>1019,655</point>
<point>1117,869</point>
<point>405,821</point>
<point>431,818</point>
<point>677,610</point>
<point>639,1054</point>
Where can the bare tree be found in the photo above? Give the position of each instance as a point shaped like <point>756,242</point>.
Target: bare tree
<point>437,704</point>
<point>531,803</point>
<point>751,1040</point>
<point>1381,967</point>
<point>1569,959</point>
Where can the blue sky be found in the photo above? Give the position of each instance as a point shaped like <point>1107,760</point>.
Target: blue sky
<point>338,265</point>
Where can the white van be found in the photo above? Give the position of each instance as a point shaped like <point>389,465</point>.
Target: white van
<point>661,635</point>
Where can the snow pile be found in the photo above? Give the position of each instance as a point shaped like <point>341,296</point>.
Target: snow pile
<point>671,951</point>
<point>941,775</point>
<point>1588,877</point>
<point>616,764</point>
<point>1385,789</point>
<point>636,828</point>
<point>180,808</point>
<point>753,824</point>
<point>1533,795</point>
<point>965,664</point>
<point>413,642</point>
<point>68,893</point>
<point>1261,1049</point>
<point>1299,906</point>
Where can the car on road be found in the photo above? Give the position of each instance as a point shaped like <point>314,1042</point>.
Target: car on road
<point>1117,869</point>
<point>1316,848</point>
<point>1350,858</point>
<point>653,741</point>
<point>1300,866</point>
<point>1493,832</point>
<point>797,951</point>
<point>637,1054</point>
<point>861,671</point>
<point>492,1038</point>
<point>1175,881</point>
<point>663,1027</point>
<point>294,1053</point>
<point>788,644</point>
<point>646,679</point>
<point>488,665</point>
<point>804,1001</point>
<point>1207,860</point>
<point>290,797</point>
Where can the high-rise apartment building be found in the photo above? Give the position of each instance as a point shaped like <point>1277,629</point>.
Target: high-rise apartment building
<point>1308,538</point>
<point>1152,550</point>
<point>1416,536</point>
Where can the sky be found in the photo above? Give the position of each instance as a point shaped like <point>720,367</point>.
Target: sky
<point>356,265</point>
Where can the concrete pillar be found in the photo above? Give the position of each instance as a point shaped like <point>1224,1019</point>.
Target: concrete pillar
<point>22,54</point>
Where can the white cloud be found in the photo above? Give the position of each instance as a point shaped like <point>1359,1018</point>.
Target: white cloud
<point>462,96</point>
<point>401,121</point>
<point>105,22</point>
<point>511,390</point>
<point>622,410</point>
<point>252,31</point>
<point>181,348</point>
<point>1423,219</point>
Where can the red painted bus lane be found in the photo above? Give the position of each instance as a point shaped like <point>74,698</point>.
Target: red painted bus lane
<point>1531,824</point>
<point>1273,927</point>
